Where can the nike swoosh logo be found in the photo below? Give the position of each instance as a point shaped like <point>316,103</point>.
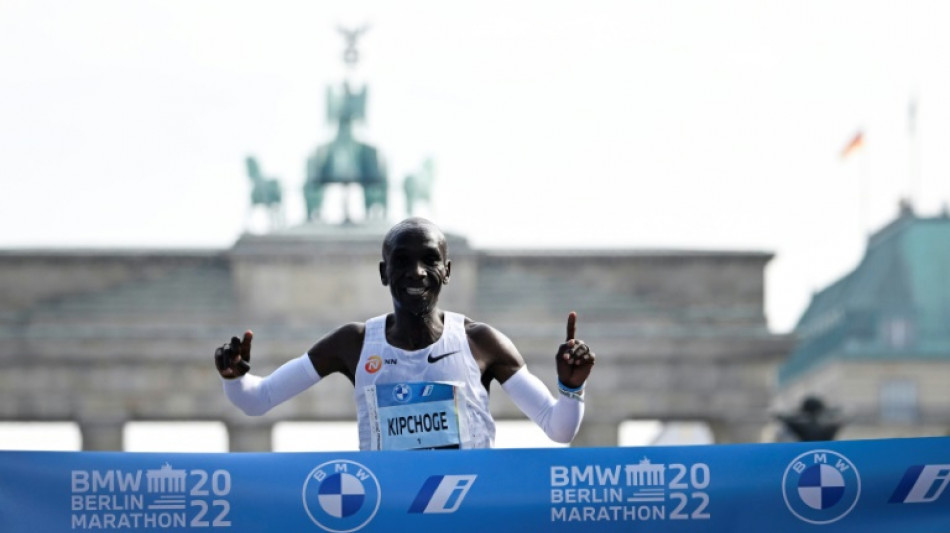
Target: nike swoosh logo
<point>432,359</point>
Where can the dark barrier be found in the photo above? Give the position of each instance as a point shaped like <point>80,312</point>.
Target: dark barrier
<point>876,485</point>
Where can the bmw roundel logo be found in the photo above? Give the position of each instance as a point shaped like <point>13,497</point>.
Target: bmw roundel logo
<point>341,496</point>
<point>821,486</point>
<point>402,392</point>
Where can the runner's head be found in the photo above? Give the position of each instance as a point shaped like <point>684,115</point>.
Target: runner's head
<point>415,265</point>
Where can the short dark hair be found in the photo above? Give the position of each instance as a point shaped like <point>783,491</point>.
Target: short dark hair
<point>410,224</point>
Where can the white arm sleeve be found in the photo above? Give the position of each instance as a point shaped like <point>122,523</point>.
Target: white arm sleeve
<point>560,419</point>
<point>256,395</point>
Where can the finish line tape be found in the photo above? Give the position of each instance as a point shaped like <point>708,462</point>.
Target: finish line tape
<point>874,485</point>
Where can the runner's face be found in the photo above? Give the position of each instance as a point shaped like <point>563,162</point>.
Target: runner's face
<point>415,269</point>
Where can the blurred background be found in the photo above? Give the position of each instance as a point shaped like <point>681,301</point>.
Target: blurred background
<point>783,164</point>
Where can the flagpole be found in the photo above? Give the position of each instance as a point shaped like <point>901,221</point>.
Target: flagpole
<point>914,174</point>
<point>854,149</point>
<point>864,182</point>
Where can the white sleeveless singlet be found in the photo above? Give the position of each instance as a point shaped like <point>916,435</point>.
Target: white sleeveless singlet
<point>423,399</point>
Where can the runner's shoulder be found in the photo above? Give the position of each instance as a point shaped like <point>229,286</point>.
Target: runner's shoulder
<point>491,347</point>
<point>344,340</point>
<point>479,331</point>
<point>339,350</point>
<point>485,335</point>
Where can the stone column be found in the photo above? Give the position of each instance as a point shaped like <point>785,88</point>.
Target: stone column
<point>734,432</point>
<point>250,438</point>
<point>597,433</point>
<point>101,435</point>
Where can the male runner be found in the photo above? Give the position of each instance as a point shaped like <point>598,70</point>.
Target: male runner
<point>421,374</point>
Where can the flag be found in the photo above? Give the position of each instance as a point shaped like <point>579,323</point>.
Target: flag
<point>855,144</point>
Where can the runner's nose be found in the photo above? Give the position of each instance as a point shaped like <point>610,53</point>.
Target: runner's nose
<point>420,270</point>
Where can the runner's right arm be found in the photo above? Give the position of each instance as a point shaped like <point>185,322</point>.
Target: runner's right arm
<point>256,395</point>
<point>338,351</point>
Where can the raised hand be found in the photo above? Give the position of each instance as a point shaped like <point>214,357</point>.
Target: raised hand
<point>233,359</point>
<point>574,358</point>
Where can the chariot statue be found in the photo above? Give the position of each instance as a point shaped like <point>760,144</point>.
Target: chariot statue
<point>345,159</point>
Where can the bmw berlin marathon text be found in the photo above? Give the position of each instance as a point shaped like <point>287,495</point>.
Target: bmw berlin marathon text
<point>643,492</point>
<point>163,498</point>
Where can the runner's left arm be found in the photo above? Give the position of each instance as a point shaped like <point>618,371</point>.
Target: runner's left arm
<point>560,418</point>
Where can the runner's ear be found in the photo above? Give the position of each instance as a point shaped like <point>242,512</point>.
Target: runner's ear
<point>382,273</point>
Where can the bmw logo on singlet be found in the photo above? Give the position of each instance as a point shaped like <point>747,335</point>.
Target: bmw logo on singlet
<point>402,393</point>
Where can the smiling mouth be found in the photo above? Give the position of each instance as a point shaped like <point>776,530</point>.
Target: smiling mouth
<point>415,291</point>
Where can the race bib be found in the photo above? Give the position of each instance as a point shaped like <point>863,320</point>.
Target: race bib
<point>413,416</point>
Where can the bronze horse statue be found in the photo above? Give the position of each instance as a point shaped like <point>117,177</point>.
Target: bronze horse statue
<point>418,187</point>
<point>265,192</point>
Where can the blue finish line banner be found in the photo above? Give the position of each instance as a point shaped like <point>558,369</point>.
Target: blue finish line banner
<point>882,485</point>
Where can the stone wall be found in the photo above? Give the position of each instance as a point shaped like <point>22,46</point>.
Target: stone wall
<point>106,337</point>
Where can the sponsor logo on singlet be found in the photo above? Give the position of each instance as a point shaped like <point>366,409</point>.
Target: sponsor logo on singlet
<point>435,358</point>
<point>373,364</point>
<point>402,393</point>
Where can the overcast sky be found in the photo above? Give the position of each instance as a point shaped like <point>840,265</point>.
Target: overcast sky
<point>635,124</point>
